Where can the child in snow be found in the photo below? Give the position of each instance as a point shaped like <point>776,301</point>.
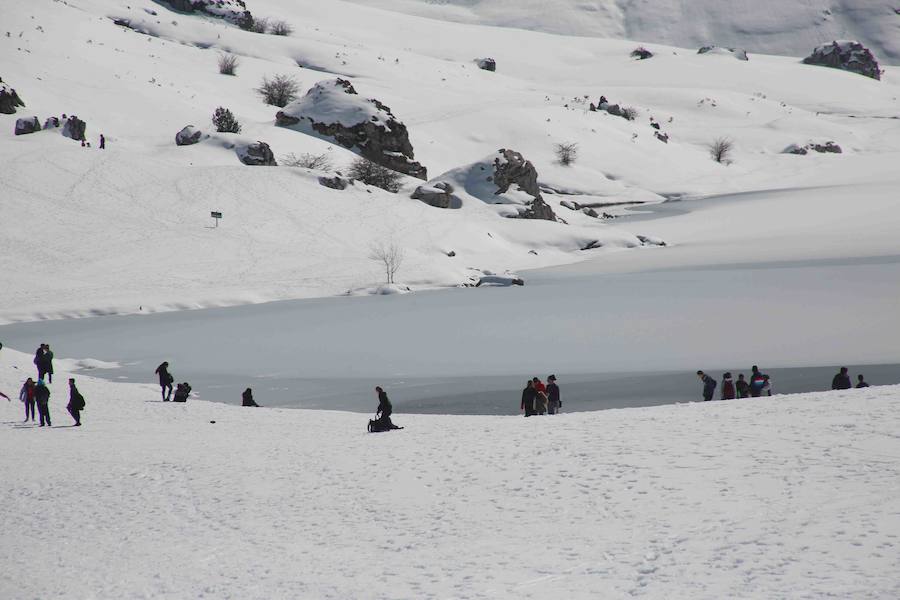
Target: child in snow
<point>862,382</point>
<point>728,391</point>
<point>742,387</point>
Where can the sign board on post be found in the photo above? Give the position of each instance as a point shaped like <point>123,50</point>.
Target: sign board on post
<point>216,215</point>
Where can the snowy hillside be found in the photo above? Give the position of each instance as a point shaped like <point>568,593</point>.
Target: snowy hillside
<point>769,27</point>
<point>787,497</point>
<point>127,229</point>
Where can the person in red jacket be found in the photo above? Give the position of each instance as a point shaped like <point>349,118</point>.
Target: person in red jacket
<point>727,387</point>
<point>540,400</point>
<point>26,395</point>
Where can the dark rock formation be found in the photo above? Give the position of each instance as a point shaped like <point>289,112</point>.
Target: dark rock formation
<point>487,64</point>
<point>51,123</point>
<point>74,128</point>
<point>336,183</point>
<point>234,11</point>
<point>592,244</point>
<point>27,125</point>
<point>187,136</point>
<point>9,99</point>
<point>438,195</point>
<point>641,53</point>
<point>334,109</point>
<point>257,154</point>
<point>511,168</point>
<point>651,241</point>
<point>827,147</point>
<point>849,56</point>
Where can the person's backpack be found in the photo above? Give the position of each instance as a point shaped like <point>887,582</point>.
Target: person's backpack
<point>171,379</point>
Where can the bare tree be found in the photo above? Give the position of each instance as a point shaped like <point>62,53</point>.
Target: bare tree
<point>720,150</point>
<point>259,25</point>
<point>319,162</point>
<point>567,153</point>
<point>366,171</point>
<point>280,90</point>
<point>390,256</point>
<point>228,63</point>
<point>281,28</point>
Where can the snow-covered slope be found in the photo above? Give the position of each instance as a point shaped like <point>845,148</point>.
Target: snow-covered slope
<point>784,497</point>
<point>769,26</point>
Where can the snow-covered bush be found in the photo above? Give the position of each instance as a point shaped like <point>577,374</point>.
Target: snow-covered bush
<point>319,162</point>
<point>228,63</point>
<point>225,122</point>
<point>366,171</point>
<point>278,91</point>
<point>720,149</point>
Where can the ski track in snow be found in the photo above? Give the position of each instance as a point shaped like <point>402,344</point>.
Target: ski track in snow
<point>792,496</point>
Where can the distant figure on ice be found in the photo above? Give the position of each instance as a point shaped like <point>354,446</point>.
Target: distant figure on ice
<point>382,422</point>
<point>42,397</point>
<point>728,392</point>
<point>757,382</point>
<point>43,360</point>
<point>102,142</point>
<point>553,401</point>
<point>861,381</point>
<point>540,396</point>
<point>742,387</point>
<point>165,380</point>
<point>76,402</point>
<point>26,395</point>
<point>528,398</point>
<point>247,398</point>
<point>709,385</point>
<point>841,381</point>
<point>182,392</point>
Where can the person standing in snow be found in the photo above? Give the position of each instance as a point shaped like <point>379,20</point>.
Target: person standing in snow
<point>757,381</point>
<point>247,398</point>
<point>76,402</point>
<point>553,401</point>
<point>728,392</point>
<point>742,387</point>
<point>40,361</point>
<point>528,398</point>
<point>26,395</point>
<point>767,386</point>
<point>165,380</point>
<point>841,381</point>
<point>862,382</point>
<point>540,400</point>
<point>102,142</point>
<point>709,386</point>
<point>42,398</point>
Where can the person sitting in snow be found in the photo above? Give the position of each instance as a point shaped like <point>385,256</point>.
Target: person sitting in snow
<point>709,385</point>
<point>182,392</point>
<point>247,398</point>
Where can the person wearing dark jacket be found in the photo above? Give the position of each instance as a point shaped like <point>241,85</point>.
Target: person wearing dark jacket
<point>742,387</point>
<point>43,360</point>
<point>553,401</point>
<point>757,382</point>
<point>709,385</point>
<point>529,395</point>
<point>384,411</point>
<point>841,381</point>
<point>862,382</point>
<point>76,402</point>
<point>26,395</point>
<point>165,380</point>
<point>42,398</point>
<point>247,398</point>
<point>728,392</point>
<point>182,392</point>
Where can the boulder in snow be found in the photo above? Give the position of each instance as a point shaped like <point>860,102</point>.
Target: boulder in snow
<point>233,11</point>
<point>511,168</point>
<point>846,55</point>
<point>336,183</point>
<point>499,281</point>
<point>51,123</point>
<point>438,195</point>
<point>257,154</point>
<point>74,128</point>
<point>737,53</point>
<point>486,64</point>
<point>647,240</point>
<point>27,125</point>
<point>641,53</point>
<point>334,109</point>
<point>9,99</point>
<point>826,148</point>
<point>187,136</point>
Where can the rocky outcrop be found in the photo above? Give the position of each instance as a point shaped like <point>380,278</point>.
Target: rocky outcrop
<point>51,123</point>
<point>641,53</point>
<point>486,64</point>
<point>336,183</point>
<point>9,99</point>
<point>234,11</point>
<point>438,195</point>
<point>27,125</point>
<point>74,128</point>
<point>738,53</point>
<point>257,154</point>
<point>511,168</point>
<point>826,148</point>
<point>846,55</point>
<point>188,135</point>
<point>334,109</point>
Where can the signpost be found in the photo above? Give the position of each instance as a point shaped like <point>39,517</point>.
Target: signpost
<point>216,215</point>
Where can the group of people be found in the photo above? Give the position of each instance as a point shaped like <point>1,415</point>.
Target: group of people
<point>183,390</point>
<point>760,384</point>
<point>35,395</point>
<point>540,399</point>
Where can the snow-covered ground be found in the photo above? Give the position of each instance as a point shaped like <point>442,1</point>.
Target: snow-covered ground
<point>785,497</point>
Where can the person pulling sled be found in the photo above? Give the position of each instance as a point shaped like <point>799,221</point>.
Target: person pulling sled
<point>382,420</point>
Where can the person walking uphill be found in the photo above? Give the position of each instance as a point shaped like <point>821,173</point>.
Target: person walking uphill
<point>841,381</point>
<point>247,398</point>
<point>709,385</point>
<point>76,402</point>
<point>165,380</point>
<point>42,398</point>
<point>26,395</point>
<point>553,401</point>
<point>728,391</point>
<point>529,395</point>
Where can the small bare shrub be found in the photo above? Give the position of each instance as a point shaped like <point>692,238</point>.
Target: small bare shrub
<point>319,162</point>
<point>390,256</point>
<point>720,150</point>
<point>366,171</point>
<point>281,28</point>
<point>228,64</point>
<point>259,25</point>
<point>567,153</point>
<point>279,90</point>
